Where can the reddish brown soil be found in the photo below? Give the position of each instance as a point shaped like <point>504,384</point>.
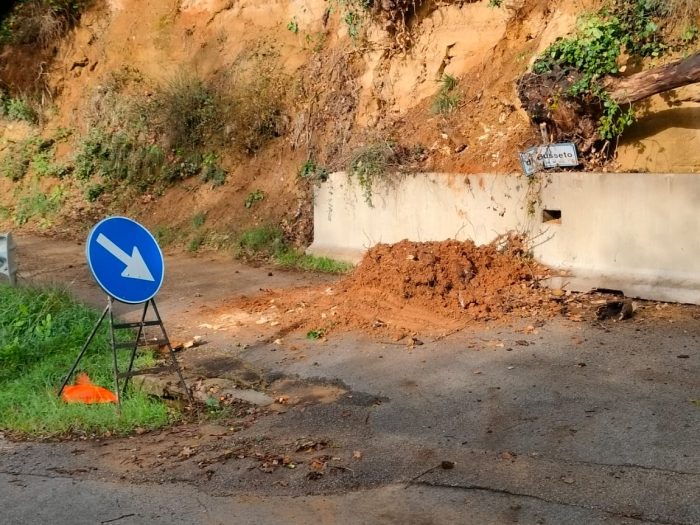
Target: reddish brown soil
<point>410,288</point>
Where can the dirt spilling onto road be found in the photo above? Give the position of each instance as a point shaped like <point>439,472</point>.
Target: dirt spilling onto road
<point>411,287</point>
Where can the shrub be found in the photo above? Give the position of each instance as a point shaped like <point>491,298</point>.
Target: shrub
<point>212,171</point>
<point>94,192</point>
<point>18,108</point>
<point>37,204</point>
<point>43,165</point>
<point>117,158</point>
<point>42,21</point>
<point>310,170</point>
<point>15,164</point>
<point>256,111</point>
<point>150,142</point>
<point>187,112</point>
<point>371,163</point>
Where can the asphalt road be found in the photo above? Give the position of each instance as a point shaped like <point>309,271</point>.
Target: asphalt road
<point>575,423</point>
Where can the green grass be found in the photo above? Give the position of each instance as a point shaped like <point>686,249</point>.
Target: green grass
<point>198,219</point>
<point>294,259</point>
<point>41,333</point>
<point>261,241</point>
<point>267,242</point>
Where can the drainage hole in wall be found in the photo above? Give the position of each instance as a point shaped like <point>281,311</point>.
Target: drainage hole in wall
<point>551,216</point>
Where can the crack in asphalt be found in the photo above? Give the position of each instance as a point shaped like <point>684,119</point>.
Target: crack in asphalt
<point>118,518</point>
<point>637,517</point>
<point>640,517</point>
<point>625,465</point>
<point>33,475</point>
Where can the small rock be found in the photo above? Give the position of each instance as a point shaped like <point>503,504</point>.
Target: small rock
<point>251,396</point>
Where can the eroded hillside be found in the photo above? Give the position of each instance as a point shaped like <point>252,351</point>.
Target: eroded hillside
<point>209,119</point>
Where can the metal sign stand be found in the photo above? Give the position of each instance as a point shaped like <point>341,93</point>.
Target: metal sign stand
<point>140,341</point>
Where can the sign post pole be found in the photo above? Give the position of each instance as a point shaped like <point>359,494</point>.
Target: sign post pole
<point>85,347</point>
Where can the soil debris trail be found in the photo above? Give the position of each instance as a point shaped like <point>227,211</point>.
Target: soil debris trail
<point>412,287</point>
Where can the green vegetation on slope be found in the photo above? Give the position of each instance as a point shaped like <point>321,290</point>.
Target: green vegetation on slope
<point>639,28</point>
<point>267,242</point>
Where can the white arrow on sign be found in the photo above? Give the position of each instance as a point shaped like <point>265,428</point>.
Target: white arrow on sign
<point>135,265</point>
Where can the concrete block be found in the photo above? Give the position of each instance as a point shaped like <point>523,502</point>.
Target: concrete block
<point>634,232</point>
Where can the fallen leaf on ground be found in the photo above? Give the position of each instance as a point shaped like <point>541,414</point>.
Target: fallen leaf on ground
<point>317,464</point>
<point>187,452</point>
<point>308,446</point>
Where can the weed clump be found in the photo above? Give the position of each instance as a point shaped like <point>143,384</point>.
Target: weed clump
<point>38,205</point>
<point>259,242</point>
<point>370,164</point>
<point>448,97</point>
<point>118,158</point>
<point>33,152</point>
<point>267,243</point>
<point>255,112</point>
<point>18,109</point>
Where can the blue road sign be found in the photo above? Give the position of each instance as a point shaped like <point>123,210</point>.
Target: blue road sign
<point>125,260</point>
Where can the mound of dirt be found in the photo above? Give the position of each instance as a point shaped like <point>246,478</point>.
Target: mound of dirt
<point>455,279</point>
<point>410,287</point>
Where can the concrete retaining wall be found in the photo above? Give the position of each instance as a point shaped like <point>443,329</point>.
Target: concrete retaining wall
<point>634,232</point>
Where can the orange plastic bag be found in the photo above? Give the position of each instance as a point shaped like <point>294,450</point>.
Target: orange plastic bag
<point>85,391</point>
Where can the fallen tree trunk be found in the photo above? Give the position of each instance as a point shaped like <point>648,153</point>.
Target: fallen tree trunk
<point>658,80</point>
<point>545,97</point>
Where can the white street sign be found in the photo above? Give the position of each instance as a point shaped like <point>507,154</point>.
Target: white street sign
<point>549,156</point>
